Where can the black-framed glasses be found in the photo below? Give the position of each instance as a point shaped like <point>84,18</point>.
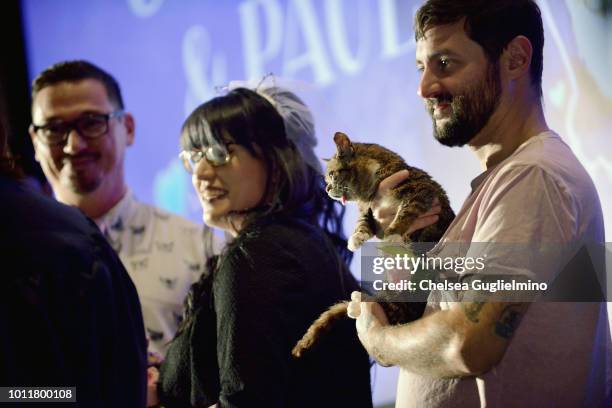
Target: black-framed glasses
<point>89,126</point>
<point>216,155</point>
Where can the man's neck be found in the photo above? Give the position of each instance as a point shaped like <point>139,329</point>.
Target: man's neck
<point>96,203</point>
<point>507,129</point>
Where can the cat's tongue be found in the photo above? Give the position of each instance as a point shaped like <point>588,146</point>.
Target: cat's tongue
<point>343,199</point>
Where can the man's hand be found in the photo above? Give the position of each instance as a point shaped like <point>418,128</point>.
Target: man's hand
<point>385,214</point>
<point>370,321</point>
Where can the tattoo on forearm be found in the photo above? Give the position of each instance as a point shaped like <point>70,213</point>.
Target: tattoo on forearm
<point>508,321</point>
<point>472,310</point>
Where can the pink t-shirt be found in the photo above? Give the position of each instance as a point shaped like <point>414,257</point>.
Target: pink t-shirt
<point>540,197</point>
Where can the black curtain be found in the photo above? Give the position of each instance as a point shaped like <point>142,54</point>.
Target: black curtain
<point>15,87</point>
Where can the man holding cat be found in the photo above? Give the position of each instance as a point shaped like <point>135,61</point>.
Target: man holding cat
<point>481,72</point>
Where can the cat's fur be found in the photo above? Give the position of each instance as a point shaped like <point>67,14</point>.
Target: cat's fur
<point>354,174</point>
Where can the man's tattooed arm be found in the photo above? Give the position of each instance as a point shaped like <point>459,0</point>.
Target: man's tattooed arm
<point>468,339</point>
<point>509,320</point>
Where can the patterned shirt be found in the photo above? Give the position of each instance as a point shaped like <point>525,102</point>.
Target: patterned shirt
<point>164,254</point>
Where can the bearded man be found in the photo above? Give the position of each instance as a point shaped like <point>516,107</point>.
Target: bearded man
<point>480,65</point>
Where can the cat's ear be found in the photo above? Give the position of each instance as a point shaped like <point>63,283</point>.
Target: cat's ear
<point>343,144</point>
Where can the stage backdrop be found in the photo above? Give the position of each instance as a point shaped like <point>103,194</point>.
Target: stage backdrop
<point>352,62</point>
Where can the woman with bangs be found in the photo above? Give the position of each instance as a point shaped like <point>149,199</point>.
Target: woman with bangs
<point>253,167</point>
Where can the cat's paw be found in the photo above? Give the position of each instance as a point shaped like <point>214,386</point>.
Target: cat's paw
<point>356,240</point>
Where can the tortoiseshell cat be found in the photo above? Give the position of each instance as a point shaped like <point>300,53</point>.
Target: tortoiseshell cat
<point>353,174</point>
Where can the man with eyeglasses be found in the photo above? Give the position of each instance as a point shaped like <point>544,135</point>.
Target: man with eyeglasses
<point>80,132</point>
<point>66,303</point>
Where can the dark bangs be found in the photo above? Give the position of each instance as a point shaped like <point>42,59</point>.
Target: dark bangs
<point>248,119</point>
<point>241,116</point>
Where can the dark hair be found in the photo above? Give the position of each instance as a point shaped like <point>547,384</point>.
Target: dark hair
<point>293,187</point>
<point>73,71</point>
<point>490,23</point>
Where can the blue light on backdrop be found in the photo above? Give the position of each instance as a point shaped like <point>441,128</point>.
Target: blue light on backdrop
<point>352,61</point>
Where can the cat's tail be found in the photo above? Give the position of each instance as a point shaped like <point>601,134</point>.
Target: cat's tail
<point>319,327</point>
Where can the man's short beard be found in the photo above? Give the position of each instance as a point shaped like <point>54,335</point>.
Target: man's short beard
<point>470,111</point>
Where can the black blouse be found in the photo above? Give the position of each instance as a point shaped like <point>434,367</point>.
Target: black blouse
<point>271,283</point>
